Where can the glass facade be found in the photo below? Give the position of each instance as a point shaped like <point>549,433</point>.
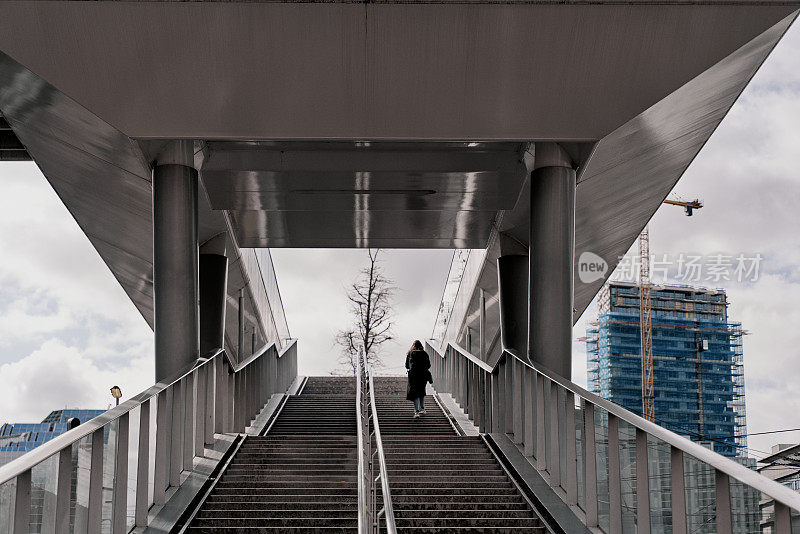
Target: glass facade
<point>18,438</point>
<point>699,391</point>
<point>697,361</point>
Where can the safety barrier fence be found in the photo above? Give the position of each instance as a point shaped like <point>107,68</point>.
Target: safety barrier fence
<point>372,470</point>
<point>616,470</point>
<point>106,474</point>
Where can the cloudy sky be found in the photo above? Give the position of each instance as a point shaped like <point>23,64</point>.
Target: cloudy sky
<point>68,332</point>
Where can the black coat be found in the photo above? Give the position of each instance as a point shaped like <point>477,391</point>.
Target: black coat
<point>418,365</point>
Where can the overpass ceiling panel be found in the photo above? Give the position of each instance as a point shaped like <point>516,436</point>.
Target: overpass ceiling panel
<point>391,71</point>
<point>335,177</point>
<point>384,229</point>
<point>336,194</point>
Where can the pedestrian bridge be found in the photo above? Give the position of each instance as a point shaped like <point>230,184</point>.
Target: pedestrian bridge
<point>189,138</point>
<point>252,447</point>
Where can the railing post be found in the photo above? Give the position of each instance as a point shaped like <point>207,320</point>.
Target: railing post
<point>497,413</point>
<point>454,375</point>
<point>518,401</point>
<point>466,374</point>
<point>541,423</point>
<point>590,465</point>
<point>120,510</point>
<point>176,434</point>
<point>570,450</point>
<point>500,397</point>
<point>614,475</point>
<point>481,401</point>
<point>143,466</point>
<point>222,397</point>
<point>508,398</point>
<point>783,519</point>
<point>486,391</point>
<point>230,422</point>
<point>22,503</point>
<point>678,492</point>
<point>642,484</point>
<point>188,422</point>
<point>723,494</point>
<point>554,454</point>
<point>462,378</point>
<point>200,410</point>
<point>474,402</point>
<point>63,489</point>
<point>94,516</point>
<point>163,428</point>
<point>272,364</point>
<point>530,413</point>
<point>236,398</point>
<point>211,392</point>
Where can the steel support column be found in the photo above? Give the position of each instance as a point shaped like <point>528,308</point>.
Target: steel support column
<point>512,281</point>
<point>175,268</point>
<point>213,287</point>
<point>551,255</point>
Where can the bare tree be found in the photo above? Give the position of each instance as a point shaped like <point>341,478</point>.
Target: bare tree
<point>371,299</point>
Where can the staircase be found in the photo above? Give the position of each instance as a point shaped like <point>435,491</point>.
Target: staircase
<point>440,481</point>
<point>300,477</point>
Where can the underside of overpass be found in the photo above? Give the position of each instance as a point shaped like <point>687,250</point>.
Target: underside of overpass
<point>188,138</point>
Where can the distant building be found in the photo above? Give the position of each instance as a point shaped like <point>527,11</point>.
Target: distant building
<point>699,390</point>
<point>697,361</point>
<point>18,438</point>
<point>783,466</point>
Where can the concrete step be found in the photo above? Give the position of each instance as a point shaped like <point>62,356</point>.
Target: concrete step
<point>416,529</point>
<point>328,495</point>
<point>489,522</point>
<point>442,482</point>
<point>437,498</point>
<point>298,520</point>
<point>280,513</point>
<point>258,506</point>
<point>274,530</point>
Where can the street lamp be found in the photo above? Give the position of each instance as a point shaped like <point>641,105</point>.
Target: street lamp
<point>116,393</point>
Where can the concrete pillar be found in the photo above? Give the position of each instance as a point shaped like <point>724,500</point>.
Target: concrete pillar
<point>512,280</point>
<point>175,267</point>
<point>551,256</point>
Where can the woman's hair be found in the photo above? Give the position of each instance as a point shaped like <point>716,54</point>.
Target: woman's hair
<point>417,345</point>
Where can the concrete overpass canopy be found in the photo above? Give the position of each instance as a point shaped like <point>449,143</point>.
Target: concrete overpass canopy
<point>386,124</point>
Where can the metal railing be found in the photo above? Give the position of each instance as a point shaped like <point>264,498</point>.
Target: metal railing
<point>369,432</point>
<point>81,480</point>
<point>618,471</point>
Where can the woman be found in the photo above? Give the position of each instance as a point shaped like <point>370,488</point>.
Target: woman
<point>418,365</point>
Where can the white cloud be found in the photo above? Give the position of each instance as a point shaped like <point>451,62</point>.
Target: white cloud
<point>57,376</point>
<point>68,332</point>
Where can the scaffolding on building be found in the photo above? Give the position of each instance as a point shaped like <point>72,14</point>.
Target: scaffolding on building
<point>697,361</point>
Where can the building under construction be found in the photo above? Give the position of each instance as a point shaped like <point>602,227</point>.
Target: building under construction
<point>697,361</point>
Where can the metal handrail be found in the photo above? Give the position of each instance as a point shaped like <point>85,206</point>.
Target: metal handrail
<point>755,480</point>
<point>364,522</point>
<point>388,507</point>
<point>211,395</point>
<point>770,488</point>
<point>49,448</point>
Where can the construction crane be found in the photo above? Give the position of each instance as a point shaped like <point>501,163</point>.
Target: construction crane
<point>646,312</point>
